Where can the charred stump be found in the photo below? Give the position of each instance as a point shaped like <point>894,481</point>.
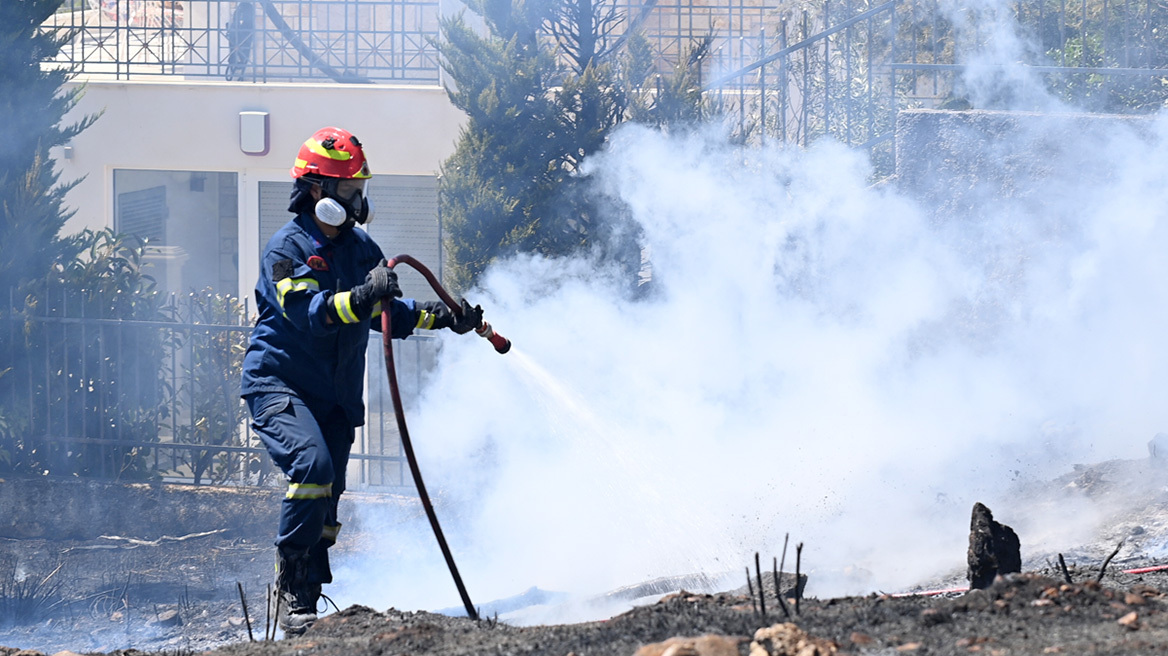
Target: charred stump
<point>993,549</point>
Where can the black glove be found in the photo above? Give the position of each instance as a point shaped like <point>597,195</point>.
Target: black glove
<point>380,282</point>
<point>383,281</point>
<point>472,318</point>
<point>435,315</point>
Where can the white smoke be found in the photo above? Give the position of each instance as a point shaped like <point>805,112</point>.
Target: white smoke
<point>819,356</point>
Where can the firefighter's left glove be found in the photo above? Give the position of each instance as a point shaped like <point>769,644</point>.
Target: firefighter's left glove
<point>435,316</point>
<point>471,319</point>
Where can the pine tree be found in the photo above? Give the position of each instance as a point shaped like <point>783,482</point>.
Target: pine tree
<point>33,103</point>
<point>542,91</point>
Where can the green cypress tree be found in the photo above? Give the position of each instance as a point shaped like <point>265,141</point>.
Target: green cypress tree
<point>33,103</point>
<point>490,197</point>
<point>542,90</point>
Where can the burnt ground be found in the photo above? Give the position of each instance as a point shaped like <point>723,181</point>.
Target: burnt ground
<point>114,593</point>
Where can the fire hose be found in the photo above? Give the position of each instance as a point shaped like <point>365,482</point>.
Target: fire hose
<point>501,344</point>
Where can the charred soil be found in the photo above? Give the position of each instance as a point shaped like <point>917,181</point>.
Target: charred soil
<point>1100,611</point>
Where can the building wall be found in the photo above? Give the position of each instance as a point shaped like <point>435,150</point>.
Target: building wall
<point>194,126</point>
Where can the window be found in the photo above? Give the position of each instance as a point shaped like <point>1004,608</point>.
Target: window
<point>190,221</point>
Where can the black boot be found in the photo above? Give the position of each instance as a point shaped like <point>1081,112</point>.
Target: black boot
<point>295,597</point>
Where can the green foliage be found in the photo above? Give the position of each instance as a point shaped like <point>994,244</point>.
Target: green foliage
<point>542,91</point>
<point>207,392</point>
<point>1094,36</point>
<point>87,381</point>
<point>83,333</point>
<point>32,108</point>
<point>1109,35</point>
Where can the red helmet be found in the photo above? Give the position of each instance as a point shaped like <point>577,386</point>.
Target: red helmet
<point>333,153</point>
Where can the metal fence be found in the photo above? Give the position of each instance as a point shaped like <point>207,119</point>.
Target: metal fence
<point>158,399</point>
<point>846,68</point>
<point>380,41</point>
<point>359,41</point>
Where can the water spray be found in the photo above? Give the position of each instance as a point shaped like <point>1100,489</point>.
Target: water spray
<point>501,344</point>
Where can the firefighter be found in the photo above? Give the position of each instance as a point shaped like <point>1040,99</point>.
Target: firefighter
<point>323,284</point>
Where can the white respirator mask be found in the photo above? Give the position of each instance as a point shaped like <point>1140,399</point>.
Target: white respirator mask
<point>335,213</point>
<point>330,212</point>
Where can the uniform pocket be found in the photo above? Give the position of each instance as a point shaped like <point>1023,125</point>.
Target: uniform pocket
<point>265,406</point>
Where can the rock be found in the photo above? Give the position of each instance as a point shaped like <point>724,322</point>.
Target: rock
<point>66,653</point>
<point>707,645</point>
<point>1133,599</point>
<point>788,639</point>
<point>168,618</point>
<point>1130,621</point>
<point>1158,448</point>
<point>933,617</point>
<point>994,549</point>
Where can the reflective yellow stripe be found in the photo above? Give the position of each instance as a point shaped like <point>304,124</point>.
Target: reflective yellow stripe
<point>426,320</point>
<point>316,147</point>
<point>343,304</point>
<point>330,532</point>
<point>309,491</point>
<point>287,285</point>
<point>376,309</point>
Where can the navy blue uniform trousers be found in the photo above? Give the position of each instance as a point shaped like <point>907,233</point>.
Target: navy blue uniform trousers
<point>311,446</point>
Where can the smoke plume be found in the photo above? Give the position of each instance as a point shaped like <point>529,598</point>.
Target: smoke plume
<point>818,356</point>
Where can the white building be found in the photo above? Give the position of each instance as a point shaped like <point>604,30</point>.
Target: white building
<point>199,163</point>
<point>204,105</point>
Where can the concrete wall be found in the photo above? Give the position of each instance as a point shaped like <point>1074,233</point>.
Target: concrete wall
<point>194,126</point>
<point>79,509</point>
<point>63,508</point>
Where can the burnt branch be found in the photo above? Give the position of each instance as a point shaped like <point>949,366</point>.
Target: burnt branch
<point>750,588</point>
<point>246,616</point>
<point>1107,562</point>
<point>798,564</point>
<point>779,589</point>
<point>1063,568</point>
<point>761,590</point>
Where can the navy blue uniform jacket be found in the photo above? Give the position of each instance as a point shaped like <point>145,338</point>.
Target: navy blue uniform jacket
<point>294,348</point>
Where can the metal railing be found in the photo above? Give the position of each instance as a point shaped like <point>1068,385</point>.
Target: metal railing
<point>380,41</point>
<point>845,70</point>
<point>157,399</point>
<point>358,41</point>
<point>815,76</point>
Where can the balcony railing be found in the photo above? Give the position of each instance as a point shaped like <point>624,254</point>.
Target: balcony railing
<point>371,41</point>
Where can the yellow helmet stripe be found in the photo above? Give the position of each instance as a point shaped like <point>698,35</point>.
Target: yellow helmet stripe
<point>316,147</point>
